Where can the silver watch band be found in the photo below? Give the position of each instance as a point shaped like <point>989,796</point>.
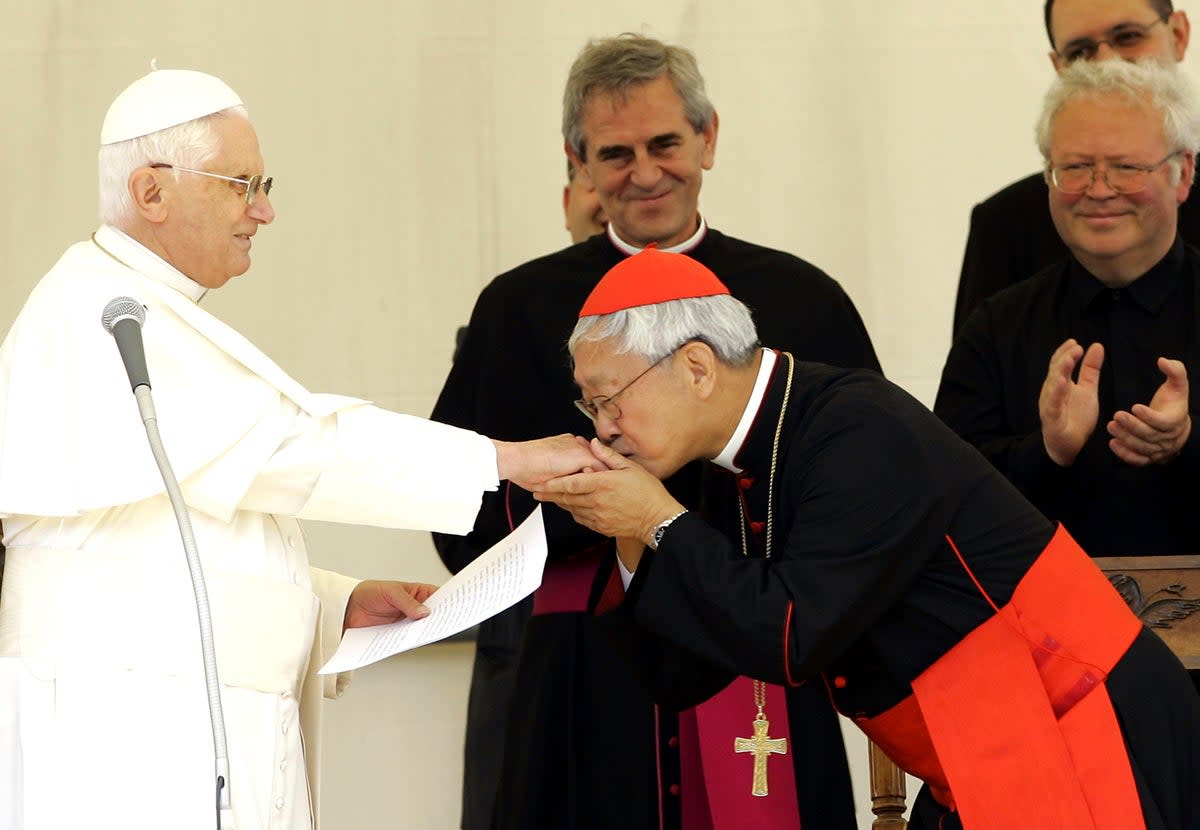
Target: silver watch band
<point>657,536</point>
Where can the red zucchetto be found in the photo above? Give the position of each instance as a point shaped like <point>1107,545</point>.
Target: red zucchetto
<point>649,277</point>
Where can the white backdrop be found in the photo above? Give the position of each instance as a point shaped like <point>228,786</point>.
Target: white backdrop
<point>416,150</point>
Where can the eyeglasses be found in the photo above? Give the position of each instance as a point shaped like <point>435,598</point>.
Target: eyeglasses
<point>252,184</point>
<point>1124,178</point>
<point>608,403</point>
<point>1123,38</point>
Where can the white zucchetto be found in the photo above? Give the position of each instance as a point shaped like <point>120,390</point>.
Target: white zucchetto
<point>164,98</point>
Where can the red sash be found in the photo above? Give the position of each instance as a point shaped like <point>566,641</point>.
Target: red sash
<point>1013,727</point>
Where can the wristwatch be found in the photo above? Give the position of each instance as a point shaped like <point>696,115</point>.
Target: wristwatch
<point>662,529</point>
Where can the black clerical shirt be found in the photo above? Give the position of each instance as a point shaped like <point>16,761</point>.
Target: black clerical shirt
<point>994,374</point>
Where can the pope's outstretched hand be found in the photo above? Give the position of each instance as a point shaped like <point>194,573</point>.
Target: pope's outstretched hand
<point>530,463</point>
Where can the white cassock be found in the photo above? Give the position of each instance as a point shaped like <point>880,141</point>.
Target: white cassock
<point>103,713</point>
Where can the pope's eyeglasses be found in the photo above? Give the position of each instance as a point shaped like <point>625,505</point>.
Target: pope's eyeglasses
<point>252,184</point>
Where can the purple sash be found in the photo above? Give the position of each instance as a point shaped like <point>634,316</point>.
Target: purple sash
<point>720,780</point>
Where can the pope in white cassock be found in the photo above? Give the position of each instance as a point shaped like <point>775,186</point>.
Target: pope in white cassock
<point>104,720</point>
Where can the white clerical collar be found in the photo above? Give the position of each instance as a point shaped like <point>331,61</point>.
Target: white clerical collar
<point>682,248</point>
<point>136,256</point>
<point>725,459</point>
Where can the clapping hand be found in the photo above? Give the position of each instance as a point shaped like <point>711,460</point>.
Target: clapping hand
<point>1155,434</point>
<point>1069,409</point>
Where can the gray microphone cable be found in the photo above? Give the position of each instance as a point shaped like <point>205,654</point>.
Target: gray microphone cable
<point>123,318</point>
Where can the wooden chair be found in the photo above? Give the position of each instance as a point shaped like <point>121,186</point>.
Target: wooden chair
<point>1164,591</point>
<point>888,792</point>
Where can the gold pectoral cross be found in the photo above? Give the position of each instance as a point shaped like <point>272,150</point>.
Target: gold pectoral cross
<point>762,747</point>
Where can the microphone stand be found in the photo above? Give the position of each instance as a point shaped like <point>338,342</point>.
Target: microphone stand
<point>145,404</point>
<point>123,318</point>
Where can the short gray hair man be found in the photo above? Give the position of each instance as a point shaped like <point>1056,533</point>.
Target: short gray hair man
<point>1163,88</point>
<point>614,65</point>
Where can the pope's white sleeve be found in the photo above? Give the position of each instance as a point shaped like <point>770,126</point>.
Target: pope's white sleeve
<point>333,590</point>
<point>358,465</point>
<point>394,470</point>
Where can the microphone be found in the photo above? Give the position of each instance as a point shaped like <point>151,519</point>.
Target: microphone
<point>123,318</point>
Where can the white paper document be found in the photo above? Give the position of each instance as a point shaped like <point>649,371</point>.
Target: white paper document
<point>506,573</point>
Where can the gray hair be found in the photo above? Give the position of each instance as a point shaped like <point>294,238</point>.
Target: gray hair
<point>1146,82</point>
<point>614,65</point>
<point>189,144</point>
<point>654,331</point>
